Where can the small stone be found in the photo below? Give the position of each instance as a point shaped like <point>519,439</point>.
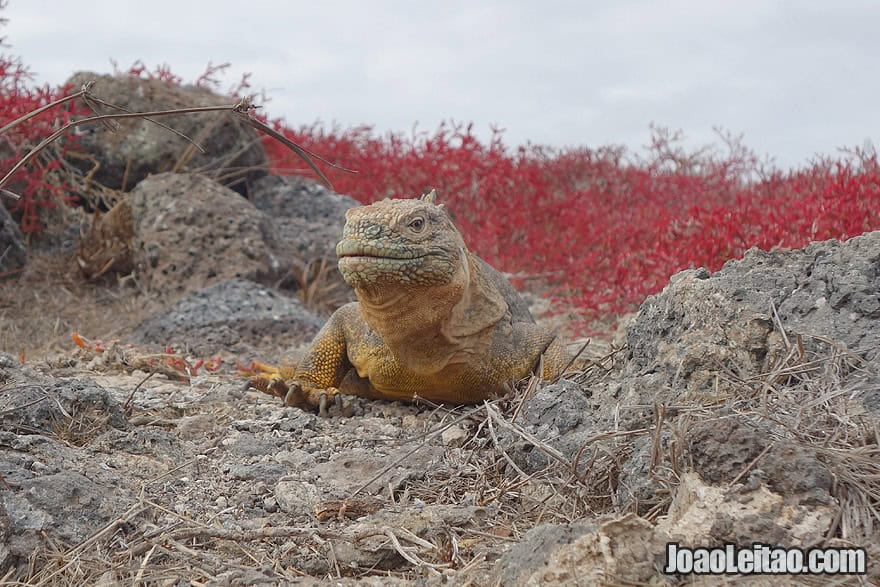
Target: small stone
<point>389,430</point>
<point>222,502</point>
<point>296,497</point>
<point>270,504</point>
<point>454,436</point>
<point>295,458</point>
<point>412,422</point>
<point>198,426</point>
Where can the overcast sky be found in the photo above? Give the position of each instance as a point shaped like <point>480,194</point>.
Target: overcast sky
<point>797,78</point>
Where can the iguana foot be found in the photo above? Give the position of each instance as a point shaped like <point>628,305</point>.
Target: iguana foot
<point>302,395</point>
<point>281,382</point>
<point>267,378</point>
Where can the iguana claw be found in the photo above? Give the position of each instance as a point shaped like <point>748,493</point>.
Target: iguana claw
<point>322,404</point>
<point>281,382</point>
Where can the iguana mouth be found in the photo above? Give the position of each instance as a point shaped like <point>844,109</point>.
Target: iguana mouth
<point>355,249</point>
<point>369,256</point>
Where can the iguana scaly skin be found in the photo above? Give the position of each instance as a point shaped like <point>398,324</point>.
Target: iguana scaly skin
<point>432,320</point>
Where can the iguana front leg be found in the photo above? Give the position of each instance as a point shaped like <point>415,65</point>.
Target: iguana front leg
<point>319,373</point>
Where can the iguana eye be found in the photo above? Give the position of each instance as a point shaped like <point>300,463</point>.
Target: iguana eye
<point>417,224</point>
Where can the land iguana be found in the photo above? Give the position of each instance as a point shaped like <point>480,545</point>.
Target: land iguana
<point>432,319</point>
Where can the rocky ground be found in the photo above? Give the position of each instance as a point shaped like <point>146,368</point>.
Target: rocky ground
<point>737,407</point>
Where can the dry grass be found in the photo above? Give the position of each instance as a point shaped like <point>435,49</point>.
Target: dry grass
<point>317,285</point>
<point>49,300</point>
<point>814,396</point>
<point>81,426</point>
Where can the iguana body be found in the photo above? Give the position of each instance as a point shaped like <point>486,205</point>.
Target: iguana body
<point>432,320</point>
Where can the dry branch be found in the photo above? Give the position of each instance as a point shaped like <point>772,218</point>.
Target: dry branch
<point>243,109</point>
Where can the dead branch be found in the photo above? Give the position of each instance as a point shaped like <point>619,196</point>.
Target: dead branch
<point>242,109</point>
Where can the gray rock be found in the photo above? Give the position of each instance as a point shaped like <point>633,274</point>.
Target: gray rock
<point>532,553</point>
<point>721,450</point>
<point>267,472</point>
<point>12,251</point>
<point>561,415</point>
<point>703,513</point>
<point>699,321</point>
<point>297,498</point>
<point>140,441</point>
<point>248,444</point>
<point>347,472</point>
<point>233,150</point>
<point>77,409</point>
<point>66,505</point>
<point>303,223</point>
<point>561,408</point>
<point>683,345</point>
<point>637,486</point>
<point>7,363</point>
<point>190,232</point>
<point>300,199</point>
<point>626,551</point>
<point>295,458</point>
<point>373,549</point>
<point>234,316</point>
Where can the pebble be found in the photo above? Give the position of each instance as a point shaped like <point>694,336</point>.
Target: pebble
<point>454,436</point>
<point>270,504</point>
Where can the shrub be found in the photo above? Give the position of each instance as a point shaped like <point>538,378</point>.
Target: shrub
<point>40,185</point>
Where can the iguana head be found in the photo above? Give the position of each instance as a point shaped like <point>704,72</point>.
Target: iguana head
<point>405,242</point>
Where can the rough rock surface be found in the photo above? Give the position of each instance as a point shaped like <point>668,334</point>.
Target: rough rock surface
<point>690,348</point>
<point>53,402</point>
<point>234,316</point>
<point>233,151</point>
<point>703,514</point>
<point>564,415</point>
<point>427,522</point>
<point>200,451</point>
<point>190,232</point>
<point>303,223</point>
<point>50,487</point>
<point>700,321</point>
<point>625,551</point>
<point>720,450</point>
<point>12,251</point>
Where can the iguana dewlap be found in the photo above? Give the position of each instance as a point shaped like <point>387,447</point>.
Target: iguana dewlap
<point>432,320</point>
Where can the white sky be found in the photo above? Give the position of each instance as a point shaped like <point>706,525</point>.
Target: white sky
<point>797,78</point>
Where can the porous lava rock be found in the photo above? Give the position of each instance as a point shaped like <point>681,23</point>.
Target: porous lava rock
<point>121,154</point>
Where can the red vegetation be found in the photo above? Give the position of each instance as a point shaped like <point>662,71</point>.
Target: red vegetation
<point>41,184</point>
<point>184,366</point>
<point>605,228</point>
